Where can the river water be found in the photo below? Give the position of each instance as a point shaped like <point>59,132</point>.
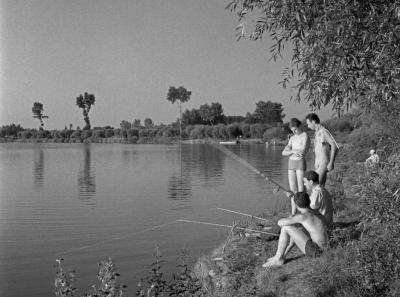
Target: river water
<point>86,203</point>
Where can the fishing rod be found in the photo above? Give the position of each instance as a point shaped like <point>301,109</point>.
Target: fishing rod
<point>244,214</point>
<point>227,226</point>
<point>249,166</point>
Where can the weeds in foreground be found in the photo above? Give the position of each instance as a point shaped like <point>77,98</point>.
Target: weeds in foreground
<point>63,283</point>
<point>183,284</point>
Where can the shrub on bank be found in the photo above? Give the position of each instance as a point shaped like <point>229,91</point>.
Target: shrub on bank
<point>275,133</point>
<point>234,131</point>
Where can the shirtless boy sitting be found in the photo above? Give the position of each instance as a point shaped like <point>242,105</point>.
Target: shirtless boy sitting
<point>315,224</point>
<point>325,147</point>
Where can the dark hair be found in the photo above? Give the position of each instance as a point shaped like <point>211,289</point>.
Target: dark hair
<point>294,123</point>
<point>312,117</point>
<point>312,175</point>
<point>302,199</point>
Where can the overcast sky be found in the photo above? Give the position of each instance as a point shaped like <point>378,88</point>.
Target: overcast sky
<point>128,53</point>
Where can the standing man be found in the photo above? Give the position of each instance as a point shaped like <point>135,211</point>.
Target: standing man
<point>325,147</point>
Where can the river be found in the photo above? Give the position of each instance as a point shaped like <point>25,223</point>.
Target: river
<point>86,203</point>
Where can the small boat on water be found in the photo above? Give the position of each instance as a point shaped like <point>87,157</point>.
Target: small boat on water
<point>229,142</point>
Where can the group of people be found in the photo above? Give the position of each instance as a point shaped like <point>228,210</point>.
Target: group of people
<point>311,204</point>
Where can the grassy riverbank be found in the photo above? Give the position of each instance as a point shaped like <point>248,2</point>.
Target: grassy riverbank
<point>363,257</point>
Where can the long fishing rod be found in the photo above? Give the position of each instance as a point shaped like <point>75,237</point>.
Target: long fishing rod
<point>248,165</point>
<point>243,214</point>
<point>227,226</point>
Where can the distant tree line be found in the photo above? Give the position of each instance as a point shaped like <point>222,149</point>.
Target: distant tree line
<point>207,121</point>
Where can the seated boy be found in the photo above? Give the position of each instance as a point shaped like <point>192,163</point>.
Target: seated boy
<point>312,221</point>
<point>320,199</point>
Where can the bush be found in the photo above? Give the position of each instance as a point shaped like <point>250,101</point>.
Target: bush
<point>86,133</point>
<point>257,130</point>
<point>245,128</point>
<point>76,134</point>
<point>117,132</point>
<point>26,134</point>
<point>132,139</point>
<point>43,134</point>
<point>275,133</point>
<point>143,133</point>
<point>133,132</point>
<point>153,131</point>
<point>109,133</point>
<point>234,131</point>
<point>99,133</point>
<point>215,132</point>
<point>197,132</point>
<point>223,133</point>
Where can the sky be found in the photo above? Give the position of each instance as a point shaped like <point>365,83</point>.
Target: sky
<point>128,53</point>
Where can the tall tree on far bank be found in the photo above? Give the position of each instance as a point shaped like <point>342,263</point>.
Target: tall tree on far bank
<point>343,52</point>
<point>37,111</point>
<point>268,112</point>
<point>85,102</point>
<point>179,94</point>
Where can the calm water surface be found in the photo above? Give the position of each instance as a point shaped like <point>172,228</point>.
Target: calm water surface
<point>88,202</point>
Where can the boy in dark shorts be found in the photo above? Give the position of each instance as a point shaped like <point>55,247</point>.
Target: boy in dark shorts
<point>311,244</point>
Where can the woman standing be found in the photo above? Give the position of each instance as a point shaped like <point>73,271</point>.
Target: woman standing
<point>296,149</point>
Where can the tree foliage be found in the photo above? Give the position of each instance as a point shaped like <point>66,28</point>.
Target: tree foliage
<point>148,123</point>
<point>10,130</point>
<point>212,114</point>
<point>180,94</point>
<point>37,111</point>
<point>191,117</point>
<point>268,112</point>
<point>125,125</point>
<point>343,52</point>
<point>85,102</point>
<point>136,123</point>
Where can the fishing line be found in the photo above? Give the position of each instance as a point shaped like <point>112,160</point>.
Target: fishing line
<point>248,165</point>
<point>69,251</point>
<point>227,226</point>
<point>102,242</point>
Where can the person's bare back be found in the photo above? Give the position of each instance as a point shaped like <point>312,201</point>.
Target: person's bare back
<point>316,226</point>
<point>311,244</point>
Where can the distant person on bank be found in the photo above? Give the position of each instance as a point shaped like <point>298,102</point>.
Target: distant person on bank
<point>320,199</point>
<point>296,149</point>
<point>325,147</point>
<point>373,160</point>
<point>312,221</point>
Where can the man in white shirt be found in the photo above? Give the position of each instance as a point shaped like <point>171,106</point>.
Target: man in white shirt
<point>320,198</point>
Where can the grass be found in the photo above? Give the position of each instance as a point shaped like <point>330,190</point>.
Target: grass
<point>363,258</point>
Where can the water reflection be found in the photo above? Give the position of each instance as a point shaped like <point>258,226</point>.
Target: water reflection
<point>179,190</point>
<point>129,155</point>
<point>206,162</point>
<point>202,163</point>
<point>86,176</point>
<point>38,168</point>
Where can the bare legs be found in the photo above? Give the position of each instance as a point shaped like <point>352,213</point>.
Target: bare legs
<point>295,184</point>
<point>288,236</point>
<point>322,172</point>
